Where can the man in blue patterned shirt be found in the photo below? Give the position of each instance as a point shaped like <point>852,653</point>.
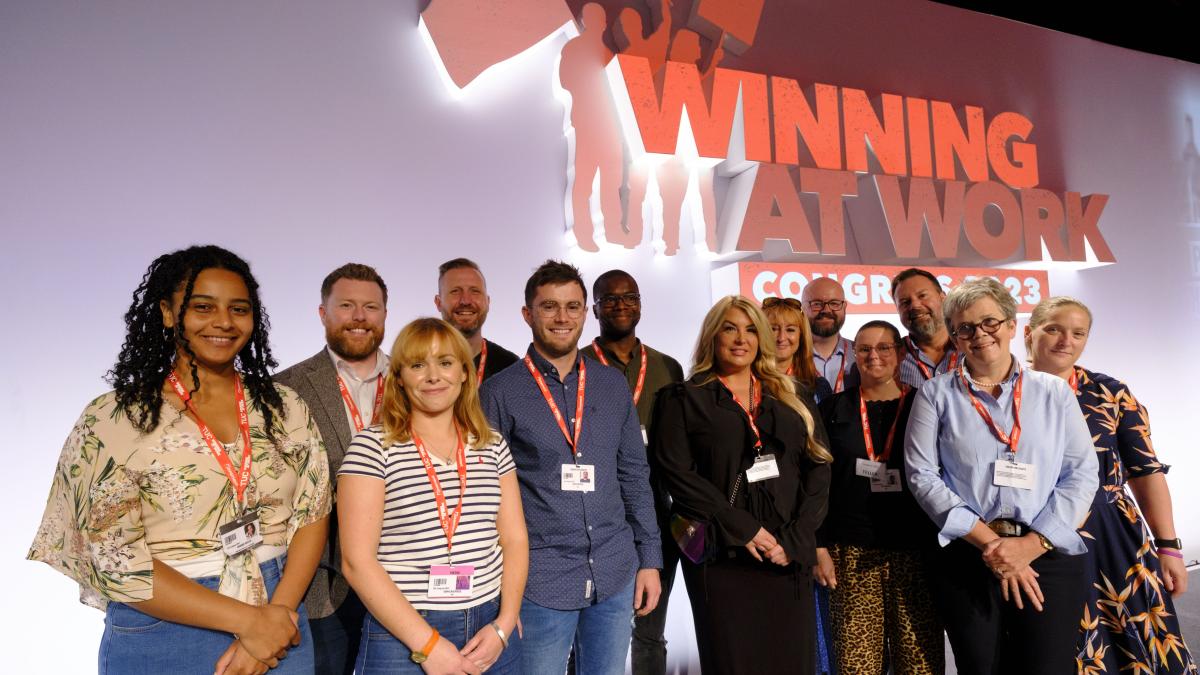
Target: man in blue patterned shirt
<point>594,551</point>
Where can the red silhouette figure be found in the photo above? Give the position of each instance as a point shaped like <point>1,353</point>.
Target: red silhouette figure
<point>598,142</point>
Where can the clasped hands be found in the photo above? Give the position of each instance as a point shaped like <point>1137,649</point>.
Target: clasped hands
<point>1008,558</point>
<point>764,545</point>
<point>263,642</point>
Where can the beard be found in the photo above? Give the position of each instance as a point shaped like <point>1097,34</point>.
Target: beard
<point>354,348</point>
<point>466,326</point>
<point>826,331</point>
<point>922,327</point>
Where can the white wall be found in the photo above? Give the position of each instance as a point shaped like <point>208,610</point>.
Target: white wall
<point>306,134</point>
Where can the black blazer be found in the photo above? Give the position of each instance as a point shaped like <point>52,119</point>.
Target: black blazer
<point>700,443</point>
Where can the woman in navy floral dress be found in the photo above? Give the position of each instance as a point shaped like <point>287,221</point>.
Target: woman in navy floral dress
<point>1129,622</point>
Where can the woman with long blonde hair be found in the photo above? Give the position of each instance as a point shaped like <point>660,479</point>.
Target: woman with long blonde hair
<point>432,532</point>
<point>740,457</point>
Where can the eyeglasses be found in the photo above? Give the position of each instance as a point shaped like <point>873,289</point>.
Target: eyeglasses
<point>627,299</point>
<point>772,301</point>
<point>550,309</point>
<point>966,330</point>
<point>818,305</point>
<point>883,349</point>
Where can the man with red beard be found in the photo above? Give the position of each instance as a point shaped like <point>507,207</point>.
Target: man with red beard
<point>463,301</point>
<point>833,355</point>
<point>928,351</point>
<point>343,387</point>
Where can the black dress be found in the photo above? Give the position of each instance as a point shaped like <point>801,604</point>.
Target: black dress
<point>750,616</point>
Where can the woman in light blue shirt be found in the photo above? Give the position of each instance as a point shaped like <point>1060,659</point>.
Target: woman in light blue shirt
<point>1000,459</point>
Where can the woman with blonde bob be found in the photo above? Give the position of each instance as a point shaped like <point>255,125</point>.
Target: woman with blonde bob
<point>432,532</point>
<point>739,455</point>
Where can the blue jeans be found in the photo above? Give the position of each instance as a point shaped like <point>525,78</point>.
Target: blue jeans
<point>380,652</point>
<point>599,632</point>
<point>135,642</point>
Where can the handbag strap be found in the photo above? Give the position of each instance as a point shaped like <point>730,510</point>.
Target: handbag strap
<point>736,485</point>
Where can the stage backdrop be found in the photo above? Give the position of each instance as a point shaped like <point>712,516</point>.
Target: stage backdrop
<point>730,146</point>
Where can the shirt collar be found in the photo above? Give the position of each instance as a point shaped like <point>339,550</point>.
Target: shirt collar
<point>547,368</point>
<point>609,353</point>
<point>343,366</point>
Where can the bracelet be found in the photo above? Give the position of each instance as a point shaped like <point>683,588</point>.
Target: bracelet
<point>1171,552</point>
<point>500,632</point>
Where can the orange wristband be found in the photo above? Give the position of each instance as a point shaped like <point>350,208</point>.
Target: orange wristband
<point>432,643</point>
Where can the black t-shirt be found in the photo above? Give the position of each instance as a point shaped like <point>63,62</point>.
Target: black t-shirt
<point>857,515</point>
<point>498,358</point>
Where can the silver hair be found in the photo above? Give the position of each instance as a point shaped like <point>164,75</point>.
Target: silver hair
<point>969,292</point>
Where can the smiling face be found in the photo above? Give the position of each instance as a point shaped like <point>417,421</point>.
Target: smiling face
<point>736,345</point>
<point>787,339</point>
<point>876,354</point>
<point>983,350</point>
<point>433,383</point>
<point>818,296</point>
<point>919,304</point>
<point>353,317</point>
<point>463,300</point>
<point>556,318</point>
<point>618,305</point>
<point>1057,343</point>
<point>219,318</point>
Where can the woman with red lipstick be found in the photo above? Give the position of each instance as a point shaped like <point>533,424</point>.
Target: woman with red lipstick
<point>190,503</point>
<point>1129,610</point>
<point>430,521</point>
<point>740,457</point>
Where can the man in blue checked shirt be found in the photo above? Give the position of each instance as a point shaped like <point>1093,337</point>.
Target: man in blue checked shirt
<point>594,552</point>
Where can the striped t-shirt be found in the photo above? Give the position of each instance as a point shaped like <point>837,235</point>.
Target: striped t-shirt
<point>412,538</point>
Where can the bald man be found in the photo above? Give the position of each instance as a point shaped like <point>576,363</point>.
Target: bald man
<point>833,355</point>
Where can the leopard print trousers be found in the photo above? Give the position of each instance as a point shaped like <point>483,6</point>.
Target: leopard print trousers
<point>881,611</point>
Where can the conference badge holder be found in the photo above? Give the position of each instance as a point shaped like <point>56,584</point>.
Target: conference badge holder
<point>764,468</point>
<point>451,581</point>
<point>1014,474</point>
<point>241,534</point>
<point>578,477</point>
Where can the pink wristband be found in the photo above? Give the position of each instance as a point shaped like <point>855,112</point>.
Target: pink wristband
<point>1171,552</point>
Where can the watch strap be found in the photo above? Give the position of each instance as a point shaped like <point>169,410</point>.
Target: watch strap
<point>421,656</point>
<point>1169,543</point>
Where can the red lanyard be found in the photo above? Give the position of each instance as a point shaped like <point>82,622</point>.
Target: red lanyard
<point>354,415</point>
<point>754,387</point>
<point>641,381</point>
<point>449,522</point>
<point>868,441</point>
<point>572,441</point>
<point>840,385</point>
<point>916,354</point>
<point>240,480</point>
<point>482,362</point>
<point>1074,380</point>
<point>1010,439</point>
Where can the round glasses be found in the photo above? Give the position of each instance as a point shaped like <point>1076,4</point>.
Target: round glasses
<point>966,330</point>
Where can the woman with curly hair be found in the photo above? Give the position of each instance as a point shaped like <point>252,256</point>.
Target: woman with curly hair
<point>740,457</point>
<point>1129,622</point>
<point>160,479</point>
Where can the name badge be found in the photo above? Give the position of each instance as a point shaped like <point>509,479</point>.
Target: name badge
<point>451,581</point>
<point>242,534</point>
<point>887,480</point>
<point>645,438</point>
<point>1009,473</point>
<point>579,477</point>
<point>764,468</point>
<point>867,469</point>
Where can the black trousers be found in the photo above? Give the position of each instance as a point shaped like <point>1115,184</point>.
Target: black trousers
<point>989,635</point>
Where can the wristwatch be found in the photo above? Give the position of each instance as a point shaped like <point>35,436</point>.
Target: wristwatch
<point>1169,543</point>
<point>1044,541</point>
<point>421,656</point>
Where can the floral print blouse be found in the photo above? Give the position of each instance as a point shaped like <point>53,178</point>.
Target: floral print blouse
<point>121,497</point>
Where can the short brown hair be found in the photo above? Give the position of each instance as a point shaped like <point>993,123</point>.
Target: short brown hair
<point>457,264</point>
<point>905,275</point>
<point>354,272</point>
<point>553,272</point>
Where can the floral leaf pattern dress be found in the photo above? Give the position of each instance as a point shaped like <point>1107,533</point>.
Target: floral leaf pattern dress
<point>121,498</point>
<point>1129,622</point>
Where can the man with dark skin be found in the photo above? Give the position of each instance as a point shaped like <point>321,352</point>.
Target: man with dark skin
<point>618,308</point>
